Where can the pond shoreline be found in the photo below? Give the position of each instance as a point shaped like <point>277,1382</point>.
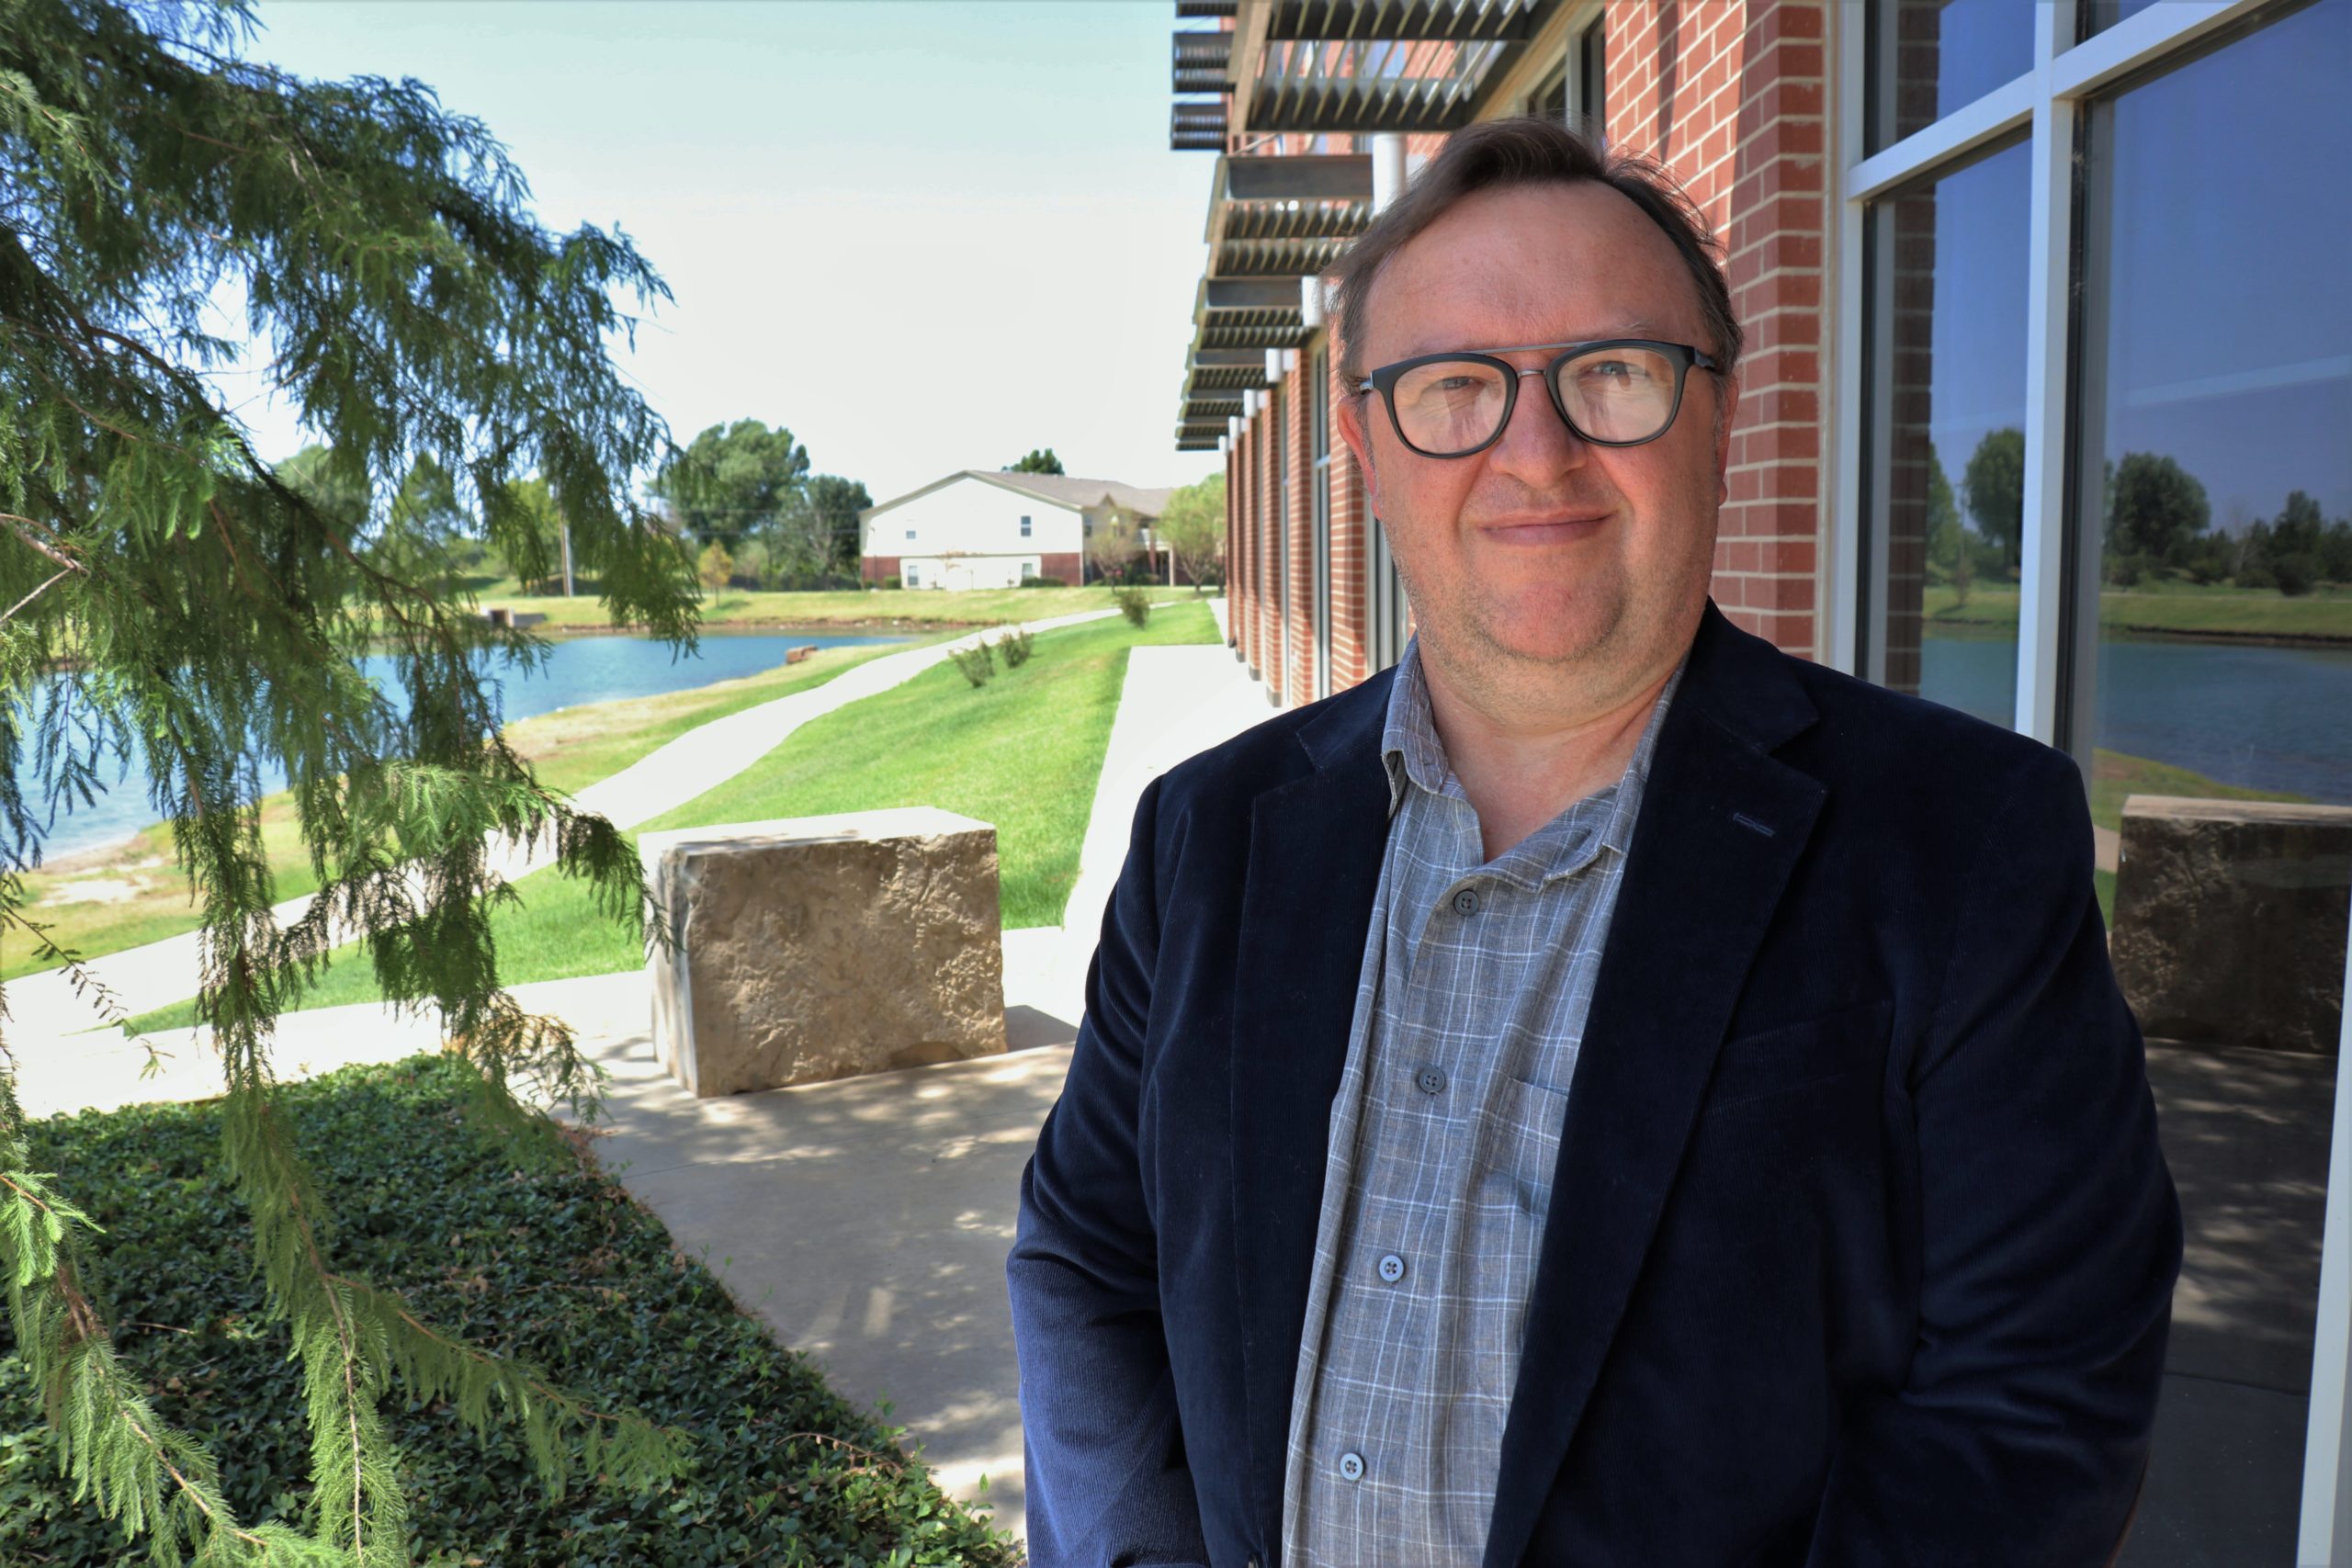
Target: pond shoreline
<point>2006,631</point>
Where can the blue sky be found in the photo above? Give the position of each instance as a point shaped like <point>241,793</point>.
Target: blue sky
<point>925,237</point>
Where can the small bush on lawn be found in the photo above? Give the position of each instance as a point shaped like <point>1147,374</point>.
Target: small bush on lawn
<point>978,663</point>
<point>553,1263</point>
<point>1042,583</point>
<point>1016,644</point>
<point>1134,604</point>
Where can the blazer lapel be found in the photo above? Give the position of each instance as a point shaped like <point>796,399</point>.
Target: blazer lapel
<point>1315,854</point>
<point>1722,824</point>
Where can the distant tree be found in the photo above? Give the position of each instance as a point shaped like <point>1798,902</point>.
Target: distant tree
<point>1041,461</point>
<point>176,600</point>
<point>1993,488</point>
<point>538,519</point>
<point>340,490</point>
<point>1192,526</point>
<point>833,505</point>
<point>2298,544</point>
<point>2300,526</point>
<point>1950,550</point>
<point>2158,509</point>
<point>715,567</point>
<point>1111,545</point>
<point>733,481</point>
<point>2335,552</point>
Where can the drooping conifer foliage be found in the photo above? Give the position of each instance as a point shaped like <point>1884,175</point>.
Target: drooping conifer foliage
<point>168,598</point>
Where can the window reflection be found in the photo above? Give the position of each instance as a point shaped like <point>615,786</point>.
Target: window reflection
<point>1932,56</point>
<point>2213,614</point>
<point>1948,277</point>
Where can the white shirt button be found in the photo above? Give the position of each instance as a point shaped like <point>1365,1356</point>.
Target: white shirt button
<point>1352,1467</point>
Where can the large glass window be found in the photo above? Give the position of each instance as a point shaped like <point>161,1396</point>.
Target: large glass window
<point>1592,68</point>
<point>2213,645</point>
<point>1945,472</point>
<point>1928,56</point>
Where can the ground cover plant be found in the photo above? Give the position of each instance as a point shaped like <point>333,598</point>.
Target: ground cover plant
<point>1023,751</point>
<point>528,1249</point>
<point>105,900</point>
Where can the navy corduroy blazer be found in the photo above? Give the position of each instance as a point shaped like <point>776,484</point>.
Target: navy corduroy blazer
<point>1860,1246</point>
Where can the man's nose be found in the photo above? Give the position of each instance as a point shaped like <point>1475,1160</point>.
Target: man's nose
<point>1537,444</point>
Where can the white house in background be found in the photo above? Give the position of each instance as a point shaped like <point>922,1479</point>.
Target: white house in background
<point>983,528</point>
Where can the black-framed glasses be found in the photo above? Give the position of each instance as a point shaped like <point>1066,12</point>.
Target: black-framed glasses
<point>1615,392</point>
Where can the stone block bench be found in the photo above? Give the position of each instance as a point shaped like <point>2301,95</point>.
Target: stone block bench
<point>813,948</point>
<point>2229,920</point>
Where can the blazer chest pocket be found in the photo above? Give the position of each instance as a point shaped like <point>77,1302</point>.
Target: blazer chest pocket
<point>1798,1055</point>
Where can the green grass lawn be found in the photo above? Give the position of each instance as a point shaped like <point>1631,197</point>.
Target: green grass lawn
<point>1021,752</point>
<point>545,1260</point>
<point>2179,608</point>
<point>106,900</point>
<point>745,607</point>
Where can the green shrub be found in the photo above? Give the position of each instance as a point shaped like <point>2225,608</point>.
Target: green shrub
<point>978,663</point>
<point>1015,646</point>
<point>2296,574</point>
<point>1134,604</point>
<point>890,581</point>
<point>1042,583</point>
<point>550,1262</point>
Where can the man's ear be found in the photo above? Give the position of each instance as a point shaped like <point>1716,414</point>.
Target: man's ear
<point>1726,415</point>
<point>1348,412</point>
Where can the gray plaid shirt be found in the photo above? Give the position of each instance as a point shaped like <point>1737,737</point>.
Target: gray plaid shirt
<point>1469,1013</point>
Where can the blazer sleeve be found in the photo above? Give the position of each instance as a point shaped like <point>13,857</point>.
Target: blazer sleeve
<point>1107,1484</point>
<point>2049,1235</point>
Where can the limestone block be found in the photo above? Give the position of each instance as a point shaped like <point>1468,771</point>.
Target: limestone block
<point>2229,920</point>
<point>820,947</point>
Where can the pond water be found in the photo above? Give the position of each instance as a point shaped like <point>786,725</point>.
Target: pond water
<point>578,670</point>
<point>2271,718</point>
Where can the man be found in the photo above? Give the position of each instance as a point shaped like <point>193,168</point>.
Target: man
<point>1604,1092</point>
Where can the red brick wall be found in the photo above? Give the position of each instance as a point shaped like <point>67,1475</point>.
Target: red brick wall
<point>875,568</point>
<point>1728,94</point>
<point>1064,564</point>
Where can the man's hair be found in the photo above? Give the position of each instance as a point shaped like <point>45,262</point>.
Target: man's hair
<point>1499,153</point>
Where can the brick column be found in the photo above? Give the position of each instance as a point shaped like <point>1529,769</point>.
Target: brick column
<point>1727,93</point>
<point>1351,548</point>
<point>1270,634</point>
<point>1233,544</point>
<point>1298,411</point>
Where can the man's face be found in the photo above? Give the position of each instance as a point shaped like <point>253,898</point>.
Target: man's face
<point>1544,559</point>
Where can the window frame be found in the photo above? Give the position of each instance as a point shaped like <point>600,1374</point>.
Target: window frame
<point>2049,103</point>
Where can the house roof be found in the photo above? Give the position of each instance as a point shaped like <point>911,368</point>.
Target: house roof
<point>1058,489</point>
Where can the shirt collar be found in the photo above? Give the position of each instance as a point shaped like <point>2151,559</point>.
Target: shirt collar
<point>1415,756</point>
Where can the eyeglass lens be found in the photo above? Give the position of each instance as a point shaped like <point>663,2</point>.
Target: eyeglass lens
<point>1617,394</point>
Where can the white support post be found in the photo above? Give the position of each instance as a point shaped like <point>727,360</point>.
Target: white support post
<point>1387,169</point>
<point>1310,301</point>
<point>2326,1535</point>
<point>2041,555</point>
